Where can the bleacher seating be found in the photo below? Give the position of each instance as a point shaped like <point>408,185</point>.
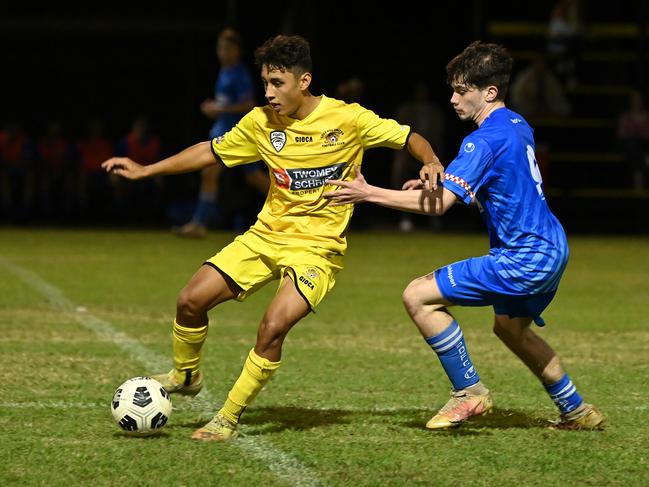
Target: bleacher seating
<point>586,168</point>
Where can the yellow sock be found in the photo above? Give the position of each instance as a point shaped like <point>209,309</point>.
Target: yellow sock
<point>256,372</point>
<point>187,344</point>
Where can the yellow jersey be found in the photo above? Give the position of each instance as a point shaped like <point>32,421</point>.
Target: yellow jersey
<point>301,156</point>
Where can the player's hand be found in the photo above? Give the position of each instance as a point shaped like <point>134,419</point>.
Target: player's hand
<point>413,184</point>
<point>125,167</point>
<point>432,174</point>
<point>350,192</point>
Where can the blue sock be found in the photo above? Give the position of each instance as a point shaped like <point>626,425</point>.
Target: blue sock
<point>451,350</point>
<point>564,394</point>
<point>204,212</point>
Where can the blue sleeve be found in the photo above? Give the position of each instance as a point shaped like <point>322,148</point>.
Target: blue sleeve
<point>465,173</point>
<point>243,86</point>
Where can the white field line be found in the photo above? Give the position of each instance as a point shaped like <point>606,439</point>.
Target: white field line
<point>283,465</point>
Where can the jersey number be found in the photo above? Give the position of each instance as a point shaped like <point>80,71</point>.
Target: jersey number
<point>534,169</point>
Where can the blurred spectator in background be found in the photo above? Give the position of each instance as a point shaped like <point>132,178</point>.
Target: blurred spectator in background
<point>141,145</point>
<point>351,90</point>
<point>565,32</point>
<point>92,180</point>
<point>633,132</point>
<point>56,172</point>
<point>224,191</point>
<point>241,195</point>
<point>426,118</point>
<point>537,92</point>
<point>17,156</point>
<point>354,90</point>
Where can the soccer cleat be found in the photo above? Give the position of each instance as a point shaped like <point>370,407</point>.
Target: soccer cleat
<point>219,429</point>
<point>462,405</point>
<point>189,387</point>
<point>586,417</point>
<point>190,230</point>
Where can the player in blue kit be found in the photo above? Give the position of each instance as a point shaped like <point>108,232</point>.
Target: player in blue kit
<point>496,170</point>
<point>233,98</point>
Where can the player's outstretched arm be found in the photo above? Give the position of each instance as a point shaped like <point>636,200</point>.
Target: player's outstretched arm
<point>432,173</point>
<point>193,158</point>
<point>415,199</point>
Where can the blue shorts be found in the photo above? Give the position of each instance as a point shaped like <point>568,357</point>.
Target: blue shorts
<point>475,282</point>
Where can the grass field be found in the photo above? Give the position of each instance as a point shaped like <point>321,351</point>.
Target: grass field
<point>84,310</point>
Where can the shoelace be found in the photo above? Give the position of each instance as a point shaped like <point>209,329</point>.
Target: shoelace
<point>217,424</point>
<point>456,399</point>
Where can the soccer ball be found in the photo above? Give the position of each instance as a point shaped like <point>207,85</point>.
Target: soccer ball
<point>141,406</point>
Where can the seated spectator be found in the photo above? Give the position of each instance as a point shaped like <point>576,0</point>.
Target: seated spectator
<point>141,145</point>
<point>56,171</point>
<point>633,133</point>
<point>17,157</point>
<point>92,181</point>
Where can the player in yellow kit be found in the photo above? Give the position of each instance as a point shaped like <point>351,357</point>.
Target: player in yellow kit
<point>298,239</point>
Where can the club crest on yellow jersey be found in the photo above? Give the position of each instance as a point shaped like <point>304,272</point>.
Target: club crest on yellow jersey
<point>278,139</point>
<point>332,137</point>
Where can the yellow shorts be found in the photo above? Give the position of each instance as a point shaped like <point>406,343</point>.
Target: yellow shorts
<point>252,262</point>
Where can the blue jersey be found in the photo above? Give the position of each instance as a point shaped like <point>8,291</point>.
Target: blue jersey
<point>496,167</point>
<point>233,85</point>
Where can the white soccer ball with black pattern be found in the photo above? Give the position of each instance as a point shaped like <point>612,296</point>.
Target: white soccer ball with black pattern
<point>141,406</point>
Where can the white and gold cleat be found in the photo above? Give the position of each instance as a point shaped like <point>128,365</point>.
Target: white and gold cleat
<point>174,384</point>
<point>464,404</point>
<point>219,429</point>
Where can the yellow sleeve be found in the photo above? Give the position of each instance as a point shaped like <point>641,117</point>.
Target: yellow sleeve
<point>375,131</point>
<point>238,146</point>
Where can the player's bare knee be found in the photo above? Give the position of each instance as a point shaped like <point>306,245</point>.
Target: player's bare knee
<point>188,305</point>
<point>411,299</point>
<point>416,301</point>
<point>271,330</point>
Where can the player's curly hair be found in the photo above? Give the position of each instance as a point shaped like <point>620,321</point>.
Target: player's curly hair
<point>480,65</point>
<point>286,53</point>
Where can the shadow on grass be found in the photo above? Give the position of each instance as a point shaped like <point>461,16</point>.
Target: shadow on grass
<point>154,436</point>
<point>279,418</point>
<point>273,419</point>
<point>498,419</point>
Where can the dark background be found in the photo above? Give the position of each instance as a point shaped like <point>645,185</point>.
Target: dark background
<point>118,60</point>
